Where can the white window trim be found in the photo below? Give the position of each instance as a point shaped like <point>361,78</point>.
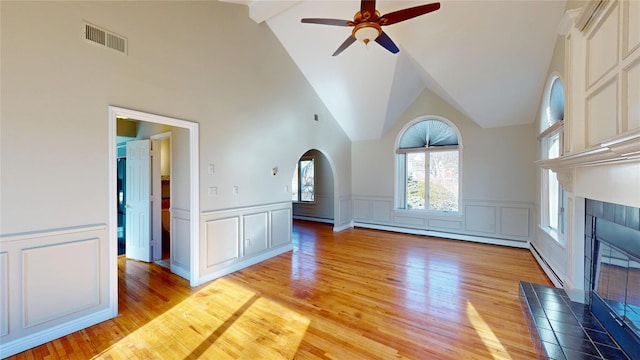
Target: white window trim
<point>400,166</point>
<point>298,200</point>
<point>546,134</point>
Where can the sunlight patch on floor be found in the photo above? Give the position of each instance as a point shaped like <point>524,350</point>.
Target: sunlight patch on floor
<point>486,335</point>
<point>221,321</point>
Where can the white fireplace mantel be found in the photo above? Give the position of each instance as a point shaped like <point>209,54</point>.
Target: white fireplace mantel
<point>624,148</point>
<point>621,149</point>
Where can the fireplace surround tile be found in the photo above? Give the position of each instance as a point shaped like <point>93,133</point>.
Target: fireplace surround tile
<point>562,329</point>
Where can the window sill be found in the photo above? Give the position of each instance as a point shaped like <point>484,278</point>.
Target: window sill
<point>431,212</point>
<point>553,234</point>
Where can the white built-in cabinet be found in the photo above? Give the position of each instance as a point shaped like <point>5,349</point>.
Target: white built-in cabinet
<point>602,122</point>
<point>601,157</point>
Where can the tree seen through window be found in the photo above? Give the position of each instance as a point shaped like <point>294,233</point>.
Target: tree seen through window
<point>428,164</point>
<point>303,182</point>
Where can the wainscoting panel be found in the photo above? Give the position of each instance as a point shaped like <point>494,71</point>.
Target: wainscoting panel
<point>4,294</point>
<point>280,227</point>
<point>381,210</point>
<point>53,288</point>
<point>255,229</point>
<point>221,245</point>
<point>446,225</point>
<point>52,283</point>
<point>411,221</point>
<point>480,218</point>
<point>361,209</point>
<point>551,255</point>
<point>515,221</point>
<point>181,242</point>
<point>236,238</point>
<point>503,223</point>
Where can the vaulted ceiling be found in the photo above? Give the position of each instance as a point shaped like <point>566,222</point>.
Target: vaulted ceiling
<point>489,59</point>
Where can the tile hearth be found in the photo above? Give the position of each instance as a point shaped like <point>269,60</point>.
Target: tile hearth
<point>562,329</point>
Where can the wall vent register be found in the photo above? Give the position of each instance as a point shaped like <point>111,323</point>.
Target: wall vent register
<point>105,38</point>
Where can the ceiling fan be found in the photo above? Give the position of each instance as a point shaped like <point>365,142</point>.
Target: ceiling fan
<point>367,24</point>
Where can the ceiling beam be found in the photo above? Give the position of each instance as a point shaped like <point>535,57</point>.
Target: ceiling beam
<point>263,10</point>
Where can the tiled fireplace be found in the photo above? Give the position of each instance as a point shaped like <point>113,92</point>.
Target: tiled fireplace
<point>607,324</point>
<point>612,270</point>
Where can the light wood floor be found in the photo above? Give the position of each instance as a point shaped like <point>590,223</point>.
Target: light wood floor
<point>357,294</point>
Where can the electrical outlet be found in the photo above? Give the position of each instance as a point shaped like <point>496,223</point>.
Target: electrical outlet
<point>213,191</point>
<point>235,190</point>
<point>211,168</point>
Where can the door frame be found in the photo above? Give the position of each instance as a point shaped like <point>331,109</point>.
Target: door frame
<point>156,188</point>
<point>194,193</point>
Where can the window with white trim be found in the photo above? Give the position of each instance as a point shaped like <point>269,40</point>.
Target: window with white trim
<point>428,166</point>
<point>303,182</point>
<point>551,146</point>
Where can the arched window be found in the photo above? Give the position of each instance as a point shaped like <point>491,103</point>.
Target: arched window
<point>428,163</point>
<point>551,146</point>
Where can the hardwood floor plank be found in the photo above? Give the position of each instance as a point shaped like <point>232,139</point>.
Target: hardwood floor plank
<point>356,294</point>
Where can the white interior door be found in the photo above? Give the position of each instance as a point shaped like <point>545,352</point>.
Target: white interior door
<point>138,200</point>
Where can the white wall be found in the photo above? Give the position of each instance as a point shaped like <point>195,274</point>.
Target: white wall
<point>206,62</point>
<point>497,179</point>
<point>552,253</point>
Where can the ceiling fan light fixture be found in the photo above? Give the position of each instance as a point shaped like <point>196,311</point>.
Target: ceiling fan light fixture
<point>366,32</point>
<point>367,24</point>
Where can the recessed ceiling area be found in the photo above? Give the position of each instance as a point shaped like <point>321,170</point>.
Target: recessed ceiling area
<point>488,59</point>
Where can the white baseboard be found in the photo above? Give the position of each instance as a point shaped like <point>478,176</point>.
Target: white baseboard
<point>27,342</point>
<point>446,235</point>
<point>557,282</point>
<point>311,218</point>
<point>336,228</point>
<point>575,294</point>
<point>180,271</point>
<point>342,227</point>
<point>243,264</point>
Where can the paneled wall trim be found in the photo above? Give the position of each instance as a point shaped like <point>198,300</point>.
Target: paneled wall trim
<point>493,222</point>
<point>236,238</point>
<point>180,242</point>
<point>43,298</point>
<point>612,72</point>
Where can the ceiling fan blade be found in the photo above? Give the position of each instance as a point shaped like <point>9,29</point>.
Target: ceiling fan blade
<point>408,13</point>
<point>350,40</point>
<point>368,5</point>
<point>335,22</point>
<point>387,43</point>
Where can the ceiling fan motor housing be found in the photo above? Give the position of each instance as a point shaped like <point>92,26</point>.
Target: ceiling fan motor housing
<point>366,31</point>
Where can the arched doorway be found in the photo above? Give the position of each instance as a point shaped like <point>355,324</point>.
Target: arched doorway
<point>313,188</point>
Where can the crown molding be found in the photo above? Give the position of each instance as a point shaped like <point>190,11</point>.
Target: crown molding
<point>623,148</point>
